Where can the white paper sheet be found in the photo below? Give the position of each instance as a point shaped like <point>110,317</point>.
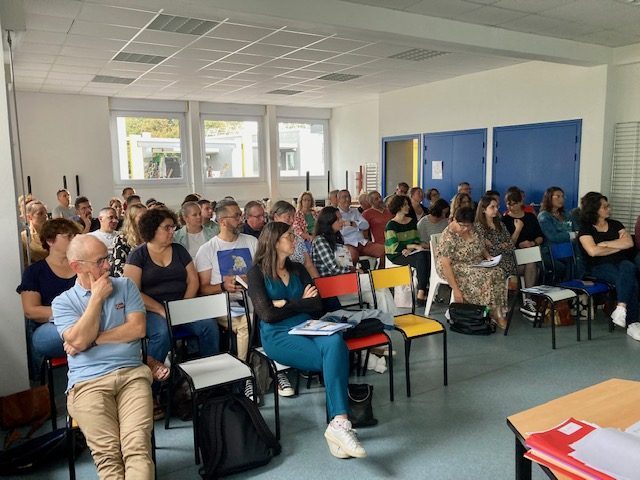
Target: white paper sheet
<point>610,451</point>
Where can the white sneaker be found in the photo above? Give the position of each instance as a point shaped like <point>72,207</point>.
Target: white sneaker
<point>342,439</point>
<point>633,330</point>
<point>381,365</point>
<point>248,390</point>
<point>528,308</point>
<point>284,386</point>
<point>373,362</point>
<point>619,316</point>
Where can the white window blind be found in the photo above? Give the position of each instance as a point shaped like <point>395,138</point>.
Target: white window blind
<point>625,174</point>
<point>370,177</point>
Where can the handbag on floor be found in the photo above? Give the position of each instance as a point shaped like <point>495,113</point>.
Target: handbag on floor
<point>470,319</point>
<point>562,315</point>
<point>360,407</point>
<point>233,436</point>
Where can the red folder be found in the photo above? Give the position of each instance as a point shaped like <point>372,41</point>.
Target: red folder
<point>553,445</point>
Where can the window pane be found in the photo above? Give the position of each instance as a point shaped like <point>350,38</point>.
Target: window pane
<point>301,148</point>
<point>231,149</point>
<point>149,148</point>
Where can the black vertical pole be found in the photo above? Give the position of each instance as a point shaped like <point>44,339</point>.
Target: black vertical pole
<point>328,181</point>
<point>346,179</point>
<point>308,189</point>
<point>64,182</point>
<point>29,184</point>
<point>77,186</point>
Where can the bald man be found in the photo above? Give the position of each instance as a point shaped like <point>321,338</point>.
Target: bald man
<point>101,321</point>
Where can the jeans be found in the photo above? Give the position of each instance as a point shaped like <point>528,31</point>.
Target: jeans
<point>115,414</point>
<point>208,335</point>
<point>159,342</point>
<point>623,276</point>
<point>45,342</point>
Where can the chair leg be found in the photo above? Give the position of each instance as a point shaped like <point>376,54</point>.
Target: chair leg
<point>407,352</point>
<point>196,420</point>
<point>589,307</point>
<point>52,395</point>
<point>153,451</point>
<point>167,417</point>
<point>71,446</point>
<point>553,324</point>
<point>433,289</point>
<point>444,352</point>
<point>390,360</point>
<point>578,309</point>
<point>297,382</point>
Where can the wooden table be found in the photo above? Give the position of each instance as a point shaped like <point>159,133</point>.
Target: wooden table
<point>613,403</point>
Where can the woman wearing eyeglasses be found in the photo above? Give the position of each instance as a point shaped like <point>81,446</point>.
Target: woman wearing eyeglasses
<point>284,296</point>
<point>43,281</point>
<point>164,271</point>
<point>459,249</point>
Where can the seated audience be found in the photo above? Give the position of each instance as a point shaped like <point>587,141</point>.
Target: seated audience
<point>128,239</point>
<point>206,210</point>
<point>363,200</point>
<point>460,200</point>
<point>416,195</point>
<point>126,193</point>
<point>63,209</point>
<point>526,208</point>
<point>495,235</point>
<point>353,224</point>
<point>435,221</point>
<point>194,234</point>
<point>459,249</point>
<point>32,249</point>
<point>83,215</point>
<point>463,187</point>
<point>101,321</point>
<point>495,195</point>
<point>285,212</point>
<point>377,216</point>
<point>332,198</point>
<point>43,281</point>
<point>432,195</point>
<point>605,242</point>
<point>525,232</point>
<point>556,227</point>
<point>305,217</point>
<point>254,218</point>
<point>403,246</point>
<point>107,233</point>
<point>401,189</point>
<point>219,260</point>
<point>284,296</point>
<point>116,204</point>
<point>23,200</point>
<point>134,200</point>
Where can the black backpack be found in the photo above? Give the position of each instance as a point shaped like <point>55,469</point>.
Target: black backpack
<point>233,436</point>
<point>470,319</point>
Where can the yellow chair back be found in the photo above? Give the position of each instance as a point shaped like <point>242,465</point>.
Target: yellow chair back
<point>391,277</point>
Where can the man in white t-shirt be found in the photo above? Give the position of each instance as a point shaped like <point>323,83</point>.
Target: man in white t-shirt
<point>219,260</point>
<point>108,219</point>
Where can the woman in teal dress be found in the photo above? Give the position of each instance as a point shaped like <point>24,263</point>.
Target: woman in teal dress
<point>284,296</point>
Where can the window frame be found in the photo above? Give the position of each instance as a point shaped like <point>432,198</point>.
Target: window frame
<point>262,150</point>
<point>326,146</point>
<point>184,151</point>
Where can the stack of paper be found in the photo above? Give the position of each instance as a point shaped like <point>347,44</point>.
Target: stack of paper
<point>318,327</point>
<point>583,451</point>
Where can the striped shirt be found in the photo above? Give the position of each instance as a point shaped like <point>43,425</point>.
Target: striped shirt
<point>397,236</point>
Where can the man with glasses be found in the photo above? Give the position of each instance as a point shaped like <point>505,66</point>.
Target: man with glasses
<point>101,321</point>
<point>220,259</point>
<point>254,218</point>
<point>107,233</point>
<point>84,215</point>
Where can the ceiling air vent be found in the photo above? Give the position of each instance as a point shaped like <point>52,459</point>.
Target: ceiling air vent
<point>189,26</point>
<point>139,58</point>
<point>284,92</point>
<point>110,79</point>
<point>417,55</point>
<point>338,77</point>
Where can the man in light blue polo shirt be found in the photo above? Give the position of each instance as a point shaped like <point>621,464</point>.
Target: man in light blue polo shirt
<point>101,321</point>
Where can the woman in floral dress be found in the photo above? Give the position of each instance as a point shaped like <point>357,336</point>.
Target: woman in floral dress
<point>497,239</point>
<point>459,249</point>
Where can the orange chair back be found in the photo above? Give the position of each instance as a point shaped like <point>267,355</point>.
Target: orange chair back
<point>337,285</point>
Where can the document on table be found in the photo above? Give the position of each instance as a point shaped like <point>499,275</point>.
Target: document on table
<point>492,262</point>
<point>610,451</point>
<point>318,327</point>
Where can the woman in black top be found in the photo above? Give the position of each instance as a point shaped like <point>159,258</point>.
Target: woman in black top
<point>604,242</point>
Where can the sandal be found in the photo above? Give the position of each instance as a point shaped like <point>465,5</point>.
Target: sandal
<point>159,370</point>
<point>501,323</point>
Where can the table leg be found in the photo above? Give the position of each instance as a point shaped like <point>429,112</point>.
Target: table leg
<point>523,465</point>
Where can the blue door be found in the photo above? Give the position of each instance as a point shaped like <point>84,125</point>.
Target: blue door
<point>536,157</point>
<point>460,156</point>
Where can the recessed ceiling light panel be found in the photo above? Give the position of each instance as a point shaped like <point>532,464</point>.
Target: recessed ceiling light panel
<point>139,58</point>
<point>338,77</point>
<point>110,79</point>
<point>174,24</point>
<point>417,55</point>
<point>284,92</point>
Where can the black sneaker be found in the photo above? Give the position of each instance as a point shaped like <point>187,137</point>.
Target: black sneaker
<point>284,386</point>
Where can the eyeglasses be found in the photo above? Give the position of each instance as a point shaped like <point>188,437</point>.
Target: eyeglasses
<point>257,216</point>
<point>168,228</point>
<point>289,235</point>
<point>467,226</point>
<point>237,216</point>
<point>98,262</point>
<point>68,236</point>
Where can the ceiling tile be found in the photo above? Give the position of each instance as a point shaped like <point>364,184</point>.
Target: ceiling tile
<point>126,17</point>
<point>610,38</point>
<point>196,54</point>
<point>381,50</point>
<point>311,55</point>
<point>442,8</point>
<point>603,13</point>
<point>335,44</point>
<point>85,41</point>
<point>226,67</point>
<point>288,63</point>
<point>533,24</point>
<point>75,68</point>
<point>60,8</point>
<point>39,36</point>
<point>48,23</point>
<point>293,39</point>
<point>95,29</point>
<point>83,61</point>
<point>490,15</point>
<point>92,53</point>
<point>150,49</point>
<point>219,44</point>
<point>233,31</point>
<point>268,50</point>
<point>165,38</point>
<point>533,6</point>
<point>352,59</point>
<point>37,48</point>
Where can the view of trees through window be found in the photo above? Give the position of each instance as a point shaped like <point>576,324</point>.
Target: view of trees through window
<point>149,148</point>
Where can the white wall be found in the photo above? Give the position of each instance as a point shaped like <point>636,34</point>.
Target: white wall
<point>13,345</point>
<point>527,93</point>
<point>355,140</point>
<point>70,135</point>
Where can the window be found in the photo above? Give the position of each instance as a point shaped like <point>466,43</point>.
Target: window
<point>149,147</point>
<point>625,174</point>
<point>303,147</point>
<point>232,148</point>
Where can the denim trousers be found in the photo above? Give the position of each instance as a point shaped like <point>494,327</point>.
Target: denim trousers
<point>623,276</point>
